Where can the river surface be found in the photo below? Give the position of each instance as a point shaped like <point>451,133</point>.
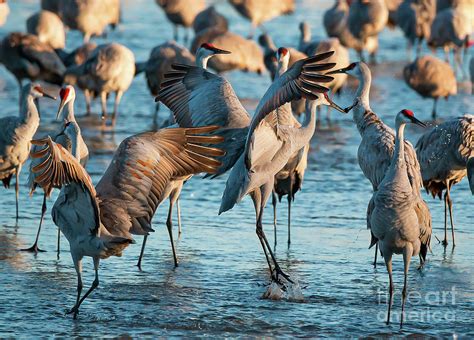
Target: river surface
<point>217,288</point>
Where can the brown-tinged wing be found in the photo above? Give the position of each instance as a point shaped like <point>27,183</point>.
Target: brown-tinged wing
<point>133,186</point>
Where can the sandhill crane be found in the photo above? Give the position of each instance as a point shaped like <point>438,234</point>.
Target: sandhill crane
<point>306,45</point>
<point>50,5</point>
<point>246,55</point>
<point>378,140</point>
<point>270,61</point>
<point>67,95</point>
<point>77,56</point>
<point>48,27</point>
<point>90,17</point>
<point>109,68</point>
<point>16,134</point>
<point>25,56</point>
<point>210,18</point>
<point>260,11</point>
<point>431,77</point>
<point>99,222</point>
<point>415,18</point>
<point>159,62</point>
<point>197,97</point>
<point>392,7</point>
<point>4,11</point>
<point>450,30</point>
<point>367,18</point>
<point>288,181</point>
<point>181,13</point>
<point>471,71</point>
<point>340,57</point>
<point>174,186</point>
<point>399,214</point>
<point>335,23</point>
<point>444,153</point>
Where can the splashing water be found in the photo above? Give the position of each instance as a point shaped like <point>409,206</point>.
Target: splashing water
<point>285,291</point>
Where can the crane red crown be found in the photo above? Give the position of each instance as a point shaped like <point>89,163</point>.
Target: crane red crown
<point>63,93</point>
<point>407,112</point>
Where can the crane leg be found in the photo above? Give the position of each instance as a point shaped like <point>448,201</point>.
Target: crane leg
<point>433,113</point>
<point>289,219</point>
<point>142,251</point>
<point>58,251</point>
<point>87,37</point>
<point>388,263</point>
<point>450,206</point>
<point>169,225</point>
<point>175,30</point>
<point>155,115</point>
<point>256,198</point>
<point>94,285</point>
<point>103,102</point>
<point>78,267</point>
<point>407,254</point>
<point>375,257</point>
<point>34,248</point>
<point>87,97</point>
<point>118,98</point>
<point>178,211</point>
<point>418,47</point>
<point>274,203</point>
<point>445,241</point>
<point>446,54</point>
<point>253,27</point>
<point>17,188</point>
<point>266,191</point>
<point>458,61</point>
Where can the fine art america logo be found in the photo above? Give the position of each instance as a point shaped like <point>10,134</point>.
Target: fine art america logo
<point>432,306</point>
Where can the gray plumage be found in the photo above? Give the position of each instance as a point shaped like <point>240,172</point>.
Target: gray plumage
<point>415,17</point>
<point>100,223</point>
<point>90,17</point>
<point>181,12</point>
<point>335,23</point>
<point>378,140</point>
<point>431,77</point>
<point>48,27</point>
<point>400,219</point>
<point>306,45</point>
<point>270,61</point>
<point>257,11</point>
<point>210,18</point>
<point>69,134</point>
<point>26,57</point>
<point>367,18</point>
<point>444,153</point>
<point>16,134</point>
<point>109,68</point>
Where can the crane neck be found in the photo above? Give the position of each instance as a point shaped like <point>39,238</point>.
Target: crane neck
<point>75,146</point>
<point>69,116</point>
<point>398,160</point>
<point>363,90</point>
<point>309,123</point>
<point>202,58</point>
<point>28,110</point>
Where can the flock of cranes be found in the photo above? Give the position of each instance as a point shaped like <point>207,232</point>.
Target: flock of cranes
<point>210,131</point>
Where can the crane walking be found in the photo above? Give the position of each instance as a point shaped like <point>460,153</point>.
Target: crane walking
<point>446,155</point>
<point>378,140</point>
<point>398,212</point>
<point>68,96</point>
<point>16,134</point>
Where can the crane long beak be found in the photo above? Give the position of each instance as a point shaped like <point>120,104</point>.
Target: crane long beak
<point>341,70</point>
<point>61,107</point>
<point>219,51</point>
<point>347,109</point>
<point>417,122</point>
<point>49,96</point>
<point>337,107</point>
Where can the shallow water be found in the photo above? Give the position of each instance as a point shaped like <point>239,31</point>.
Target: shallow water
<point>217,288</point>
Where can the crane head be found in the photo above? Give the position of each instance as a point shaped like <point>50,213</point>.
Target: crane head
<point>353,69</point>
<point>37,92</point>
<point>212,50</point>
<point>407,116</point>
<point>67,93</point>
